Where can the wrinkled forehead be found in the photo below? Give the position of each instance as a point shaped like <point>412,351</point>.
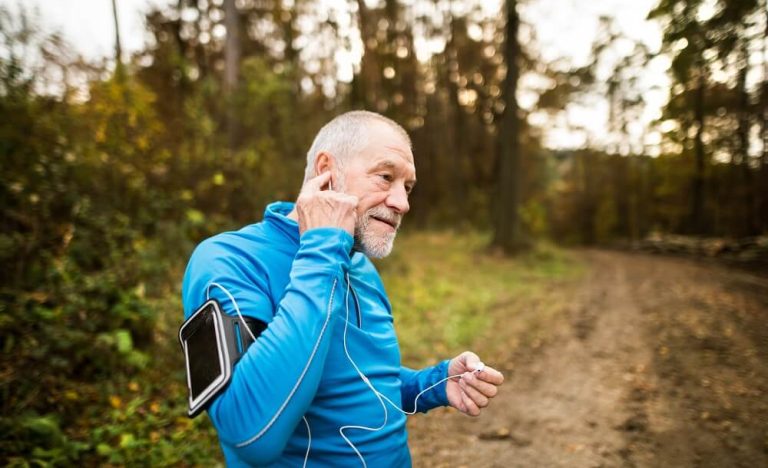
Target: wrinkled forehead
<point>384,140</point>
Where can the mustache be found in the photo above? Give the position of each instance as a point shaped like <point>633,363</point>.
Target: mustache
<point>384,214</point>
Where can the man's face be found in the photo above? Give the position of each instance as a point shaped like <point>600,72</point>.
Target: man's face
<point>382,177</point>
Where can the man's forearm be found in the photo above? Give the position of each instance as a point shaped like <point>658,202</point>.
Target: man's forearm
<point>416,381</point>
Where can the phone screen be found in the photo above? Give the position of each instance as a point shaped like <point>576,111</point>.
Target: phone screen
<point>202,357</point>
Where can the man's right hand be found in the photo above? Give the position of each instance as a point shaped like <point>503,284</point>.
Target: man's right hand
<point>316,207</point>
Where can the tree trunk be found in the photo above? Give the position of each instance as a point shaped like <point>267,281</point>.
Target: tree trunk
<point>763,189</point>
<point>232,50</point>
<point>365,83</point>
<point>747,227</point>
<point>506,222</point>
<point>289,30</point>
<point>764,157</point>
<point>118,45</point>
<point>231,68</point>
<point>455,121</point>
<point>697,200</point>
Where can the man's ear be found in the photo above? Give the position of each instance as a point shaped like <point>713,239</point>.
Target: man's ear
<point>324,162</point>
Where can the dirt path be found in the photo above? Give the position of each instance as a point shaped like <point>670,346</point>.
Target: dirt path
<point>649,362</point>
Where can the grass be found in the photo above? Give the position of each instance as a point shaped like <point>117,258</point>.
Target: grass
<point>449,293</point>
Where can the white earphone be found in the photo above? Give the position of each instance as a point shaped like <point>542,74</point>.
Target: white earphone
<point>380,396</point>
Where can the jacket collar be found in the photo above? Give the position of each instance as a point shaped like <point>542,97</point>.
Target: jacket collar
<point>276,216</point>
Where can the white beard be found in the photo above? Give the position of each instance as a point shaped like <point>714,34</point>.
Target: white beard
<point>371,244</point>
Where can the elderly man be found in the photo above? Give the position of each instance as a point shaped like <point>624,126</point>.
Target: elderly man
<point>322,384</point>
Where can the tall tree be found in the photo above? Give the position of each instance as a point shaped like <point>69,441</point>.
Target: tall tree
<point>118,46</point>
<point>697,201</point>
<point>762,211</point>
<point>231,68</point>
<point>506,221</point>
<point>366,84</point>
<point>685,38</point>
<point>232,48</point>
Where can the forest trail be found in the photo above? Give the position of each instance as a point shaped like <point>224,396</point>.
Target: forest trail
<point>650,362</point>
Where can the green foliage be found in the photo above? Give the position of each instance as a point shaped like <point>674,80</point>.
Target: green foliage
<point>104,193</point>
<point>91,223</point>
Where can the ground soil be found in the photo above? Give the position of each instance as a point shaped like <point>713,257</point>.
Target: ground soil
<point>649,361</point>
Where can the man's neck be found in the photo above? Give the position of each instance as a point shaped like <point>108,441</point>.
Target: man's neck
<point>293,215</point>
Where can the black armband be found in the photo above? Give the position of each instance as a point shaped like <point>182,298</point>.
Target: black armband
<point>213,342</point>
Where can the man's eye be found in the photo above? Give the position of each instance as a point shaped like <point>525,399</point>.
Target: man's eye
<point>386,177</point>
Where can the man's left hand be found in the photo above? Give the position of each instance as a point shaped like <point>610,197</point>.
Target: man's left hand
<point>473,390</point>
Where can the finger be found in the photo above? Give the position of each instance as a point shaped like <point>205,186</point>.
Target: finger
<point>478,398</point>
<point>487,389</point>
<point>470,405</point>
<point>462,407</point>
<point>316,184</point>
<point>352,200</point>
<point>490,375</point>
<point>470,360</point>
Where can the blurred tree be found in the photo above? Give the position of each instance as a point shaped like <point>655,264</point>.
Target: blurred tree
<point>118,45</point>
<point>711,45</point>
<point>762,210</point>
<point>612,75</point>
<point>735,30</point>
<point>685,39</point>
<point>231,67</point>
<point>448,102</point>
<point>507,232</point>
<point>187,67</point>
<point>232,47</point>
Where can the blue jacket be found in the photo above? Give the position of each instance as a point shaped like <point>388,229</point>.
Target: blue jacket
<point>297,366</point>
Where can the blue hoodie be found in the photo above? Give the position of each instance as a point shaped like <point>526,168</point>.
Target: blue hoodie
<point>298,367</point>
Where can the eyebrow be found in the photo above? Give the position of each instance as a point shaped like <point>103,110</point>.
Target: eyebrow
<point>387,164</point>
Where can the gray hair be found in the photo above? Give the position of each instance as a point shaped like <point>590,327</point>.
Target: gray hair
<point>345,136</point>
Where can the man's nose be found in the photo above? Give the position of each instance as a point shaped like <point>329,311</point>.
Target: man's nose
<point>398,199</point>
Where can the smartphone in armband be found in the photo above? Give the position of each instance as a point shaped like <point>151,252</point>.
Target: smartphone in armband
<point>213,342</point>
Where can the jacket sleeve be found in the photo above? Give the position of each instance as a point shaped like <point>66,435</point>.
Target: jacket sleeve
<point>415,382</point>
<point>275,381</point>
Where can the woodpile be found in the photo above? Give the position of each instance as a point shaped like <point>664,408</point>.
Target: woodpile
<point>746,249</point>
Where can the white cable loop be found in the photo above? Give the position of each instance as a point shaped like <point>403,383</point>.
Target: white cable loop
<point>365,380</point>
<point>380,396</point>
<point>234,302</point>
